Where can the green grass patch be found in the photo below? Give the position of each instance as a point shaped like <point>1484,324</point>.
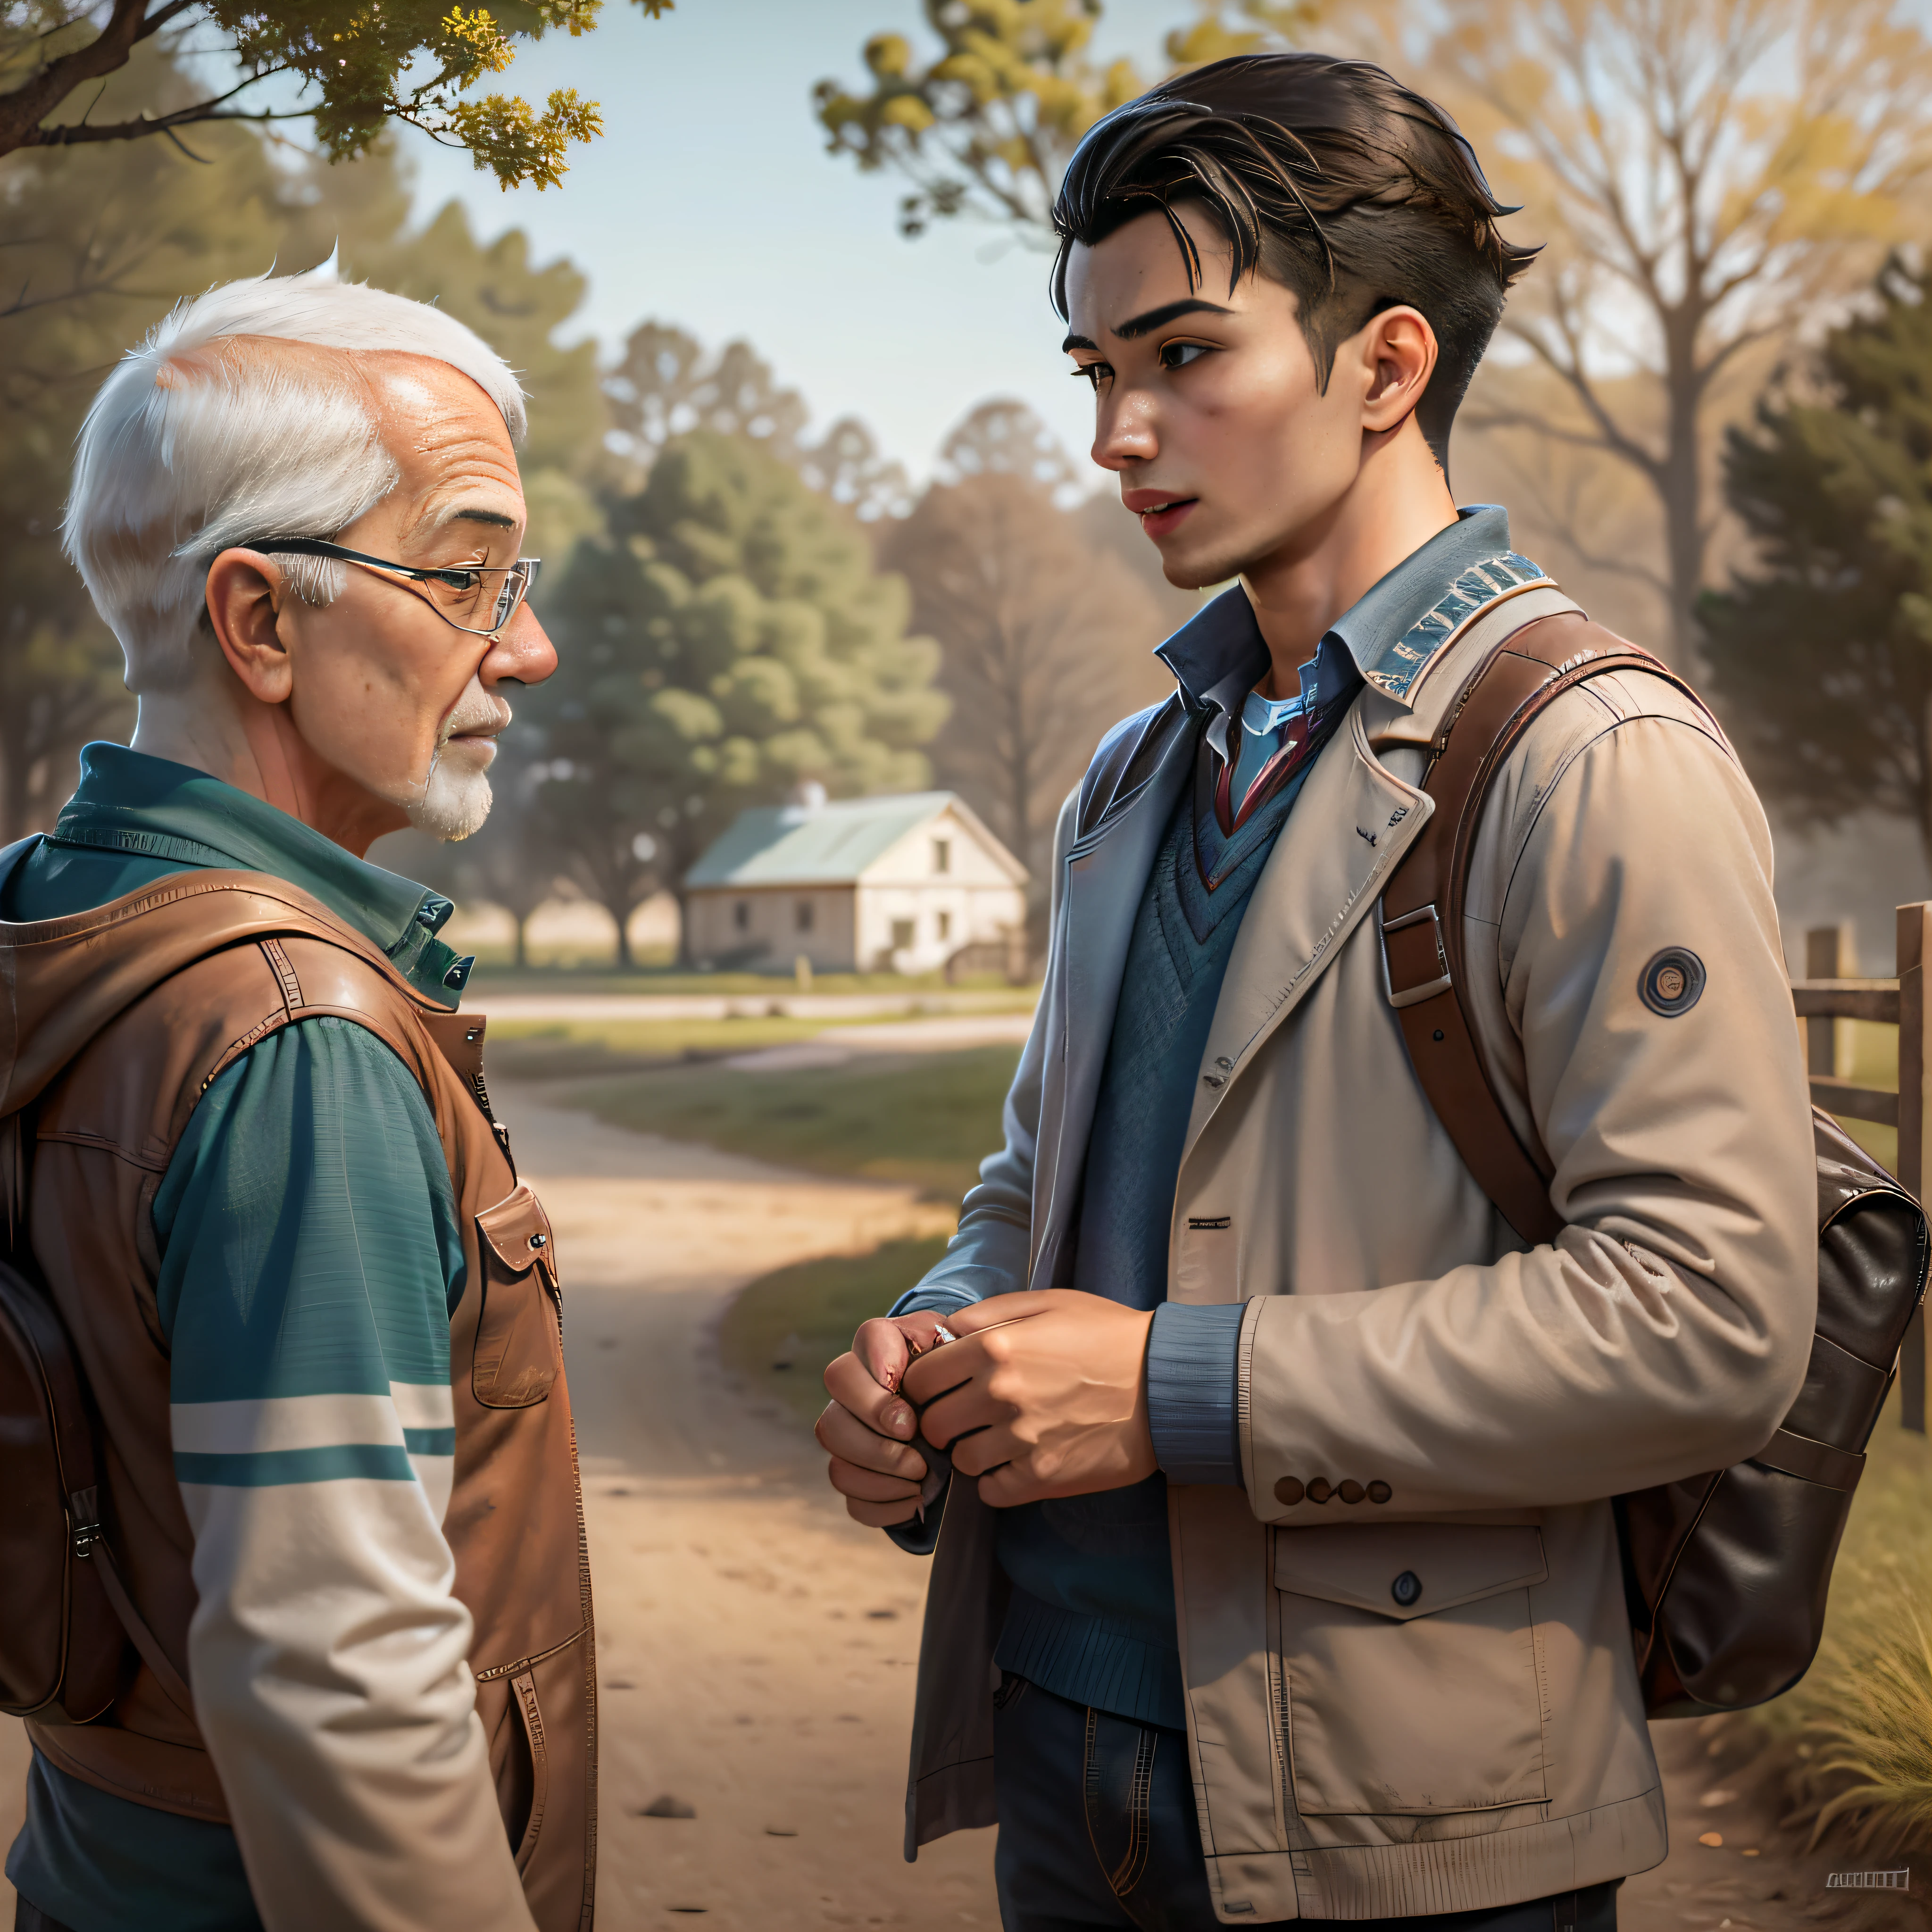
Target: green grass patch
<point>584,1049</point>
<point>491,978</point>
<point>782,1331</point>
<point>928,1119</point>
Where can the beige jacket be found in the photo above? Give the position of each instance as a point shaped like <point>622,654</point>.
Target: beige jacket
<point>1355,1756</point>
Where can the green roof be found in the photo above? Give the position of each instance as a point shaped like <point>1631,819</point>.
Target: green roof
<point>827,844</point>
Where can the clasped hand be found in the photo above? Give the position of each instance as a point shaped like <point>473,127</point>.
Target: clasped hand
<point>1041,1395</point>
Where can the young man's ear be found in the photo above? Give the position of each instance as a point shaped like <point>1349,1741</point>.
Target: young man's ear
<point>243,589</point>
<point>1397,352</point>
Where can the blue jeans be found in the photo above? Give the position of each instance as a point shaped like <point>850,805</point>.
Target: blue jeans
<point>1098,1828</point>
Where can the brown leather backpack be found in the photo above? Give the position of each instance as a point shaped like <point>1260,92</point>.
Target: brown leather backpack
<point>69,1618</point>
<point>1725,1573</point>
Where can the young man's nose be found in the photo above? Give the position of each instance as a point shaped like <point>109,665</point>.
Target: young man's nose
<point>1124,434</point>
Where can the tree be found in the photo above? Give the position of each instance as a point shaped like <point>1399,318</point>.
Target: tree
<point>355,68</point>
<point>97,245</point>
<point>1043,642</point>
<point>1707,173</point>
<point>1823,654</point>
<point>729,639</point>
<point>987,127</point>
<point>666,385</point>
<point>511,862</point>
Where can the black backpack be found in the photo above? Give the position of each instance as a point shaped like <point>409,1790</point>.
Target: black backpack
<point>1725,1574</point>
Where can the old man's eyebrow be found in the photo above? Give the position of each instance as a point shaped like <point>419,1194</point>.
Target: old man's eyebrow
<point>1154,318</point>
<point>467,515</point>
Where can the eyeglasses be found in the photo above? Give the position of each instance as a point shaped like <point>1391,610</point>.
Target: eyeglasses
<point>460,596</point>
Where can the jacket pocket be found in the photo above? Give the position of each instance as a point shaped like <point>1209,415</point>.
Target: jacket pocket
<point>519,1332</point>
<point>1410,1661</point>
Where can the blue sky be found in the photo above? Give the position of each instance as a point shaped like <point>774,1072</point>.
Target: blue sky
<point>711,203</point>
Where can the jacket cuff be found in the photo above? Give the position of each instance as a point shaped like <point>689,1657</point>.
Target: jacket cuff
<point>923,1300</point>
<point>1190,1385</point>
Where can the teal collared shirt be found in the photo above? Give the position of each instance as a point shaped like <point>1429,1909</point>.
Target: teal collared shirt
<point>309,1245</point>
<point>133,819</point>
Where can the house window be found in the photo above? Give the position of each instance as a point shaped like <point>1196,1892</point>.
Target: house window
<point>901,935</point>
<point>741,915</point>
<point>801,915</point>
<point>945,926</point>
<point>942,855</point>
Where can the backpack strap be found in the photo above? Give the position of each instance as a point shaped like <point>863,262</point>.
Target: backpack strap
<point>1424,956</point>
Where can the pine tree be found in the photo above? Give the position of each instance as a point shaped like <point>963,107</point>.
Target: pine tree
<point>1822,656</point>
<point>730,639</point>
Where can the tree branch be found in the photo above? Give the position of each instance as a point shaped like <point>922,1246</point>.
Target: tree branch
<point>22,112</point>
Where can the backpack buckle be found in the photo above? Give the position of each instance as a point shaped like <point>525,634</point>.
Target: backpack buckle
<point>1413,957</point>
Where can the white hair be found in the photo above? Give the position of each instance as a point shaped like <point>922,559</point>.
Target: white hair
<point>186,453</point>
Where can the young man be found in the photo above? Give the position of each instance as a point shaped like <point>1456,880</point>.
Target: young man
<point>315,1313</point>
<point>1277,1579</point>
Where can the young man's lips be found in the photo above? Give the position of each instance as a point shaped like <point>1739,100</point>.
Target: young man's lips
<point>1164,514</point>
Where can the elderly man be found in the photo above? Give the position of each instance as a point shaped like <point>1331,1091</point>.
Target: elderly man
<point>315,1311</point>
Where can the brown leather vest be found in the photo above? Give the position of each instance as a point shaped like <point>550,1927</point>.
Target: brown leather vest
<point>120,1018</point>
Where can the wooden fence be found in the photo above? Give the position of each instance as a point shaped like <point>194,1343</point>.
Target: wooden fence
<point>1828,993</point>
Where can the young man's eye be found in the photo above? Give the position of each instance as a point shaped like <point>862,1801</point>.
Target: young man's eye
<point>1178,355</point>
<point>1094,373</point>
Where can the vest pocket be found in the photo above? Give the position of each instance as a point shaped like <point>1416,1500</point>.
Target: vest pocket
<point>519,1344</point>
<point>1409,1657</point>
<point>523,1695</point>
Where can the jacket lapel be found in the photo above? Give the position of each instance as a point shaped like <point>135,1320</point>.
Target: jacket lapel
<point>1106,879</point>
<point>1349,829</point>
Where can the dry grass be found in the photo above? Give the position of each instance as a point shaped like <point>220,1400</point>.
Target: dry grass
<point>1856,1732</point>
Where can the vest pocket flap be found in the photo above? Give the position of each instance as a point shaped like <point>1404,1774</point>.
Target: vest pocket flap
<point>519,1232</point>
<point>1406,1570</point>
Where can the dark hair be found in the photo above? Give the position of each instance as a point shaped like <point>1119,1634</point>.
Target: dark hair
<point>1329,177</point>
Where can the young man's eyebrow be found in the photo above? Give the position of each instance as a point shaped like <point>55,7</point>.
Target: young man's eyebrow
<point>1155,318</point>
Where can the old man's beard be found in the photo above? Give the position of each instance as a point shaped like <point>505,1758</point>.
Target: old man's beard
<point>455,798</point>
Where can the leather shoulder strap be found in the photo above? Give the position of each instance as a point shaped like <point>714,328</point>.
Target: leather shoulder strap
<point>1422,951</point>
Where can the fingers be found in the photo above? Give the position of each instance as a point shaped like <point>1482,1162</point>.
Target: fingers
<point>883,1352</point>
<point>881,1516</point>
<point>867,1485</point>
<point>853,1387</point>
<point>843,1436</point>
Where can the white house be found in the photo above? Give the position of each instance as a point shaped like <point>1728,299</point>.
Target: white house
<point>854,884</point>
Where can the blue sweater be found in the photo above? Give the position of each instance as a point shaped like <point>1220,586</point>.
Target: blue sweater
<point>1092,1617</point>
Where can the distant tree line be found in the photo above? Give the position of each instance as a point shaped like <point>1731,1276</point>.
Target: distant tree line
<point>743,604</point>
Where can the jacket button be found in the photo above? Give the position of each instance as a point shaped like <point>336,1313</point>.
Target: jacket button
<point>1288,1491</point>
<point>1352,1491</point>
<point>1379,1492</point>
<point>1406,1589</point>
<point>1225,1065</point>
<point>1318,1491</point>
<point>539,1240</point>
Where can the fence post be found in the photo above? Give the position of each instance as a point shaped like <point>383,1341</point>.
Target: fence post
<point>1831,952</point>
<point>1914,926</point>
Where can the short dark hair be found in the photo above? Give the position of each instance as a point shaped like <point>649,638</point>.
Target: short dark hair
<point>1329,177</point>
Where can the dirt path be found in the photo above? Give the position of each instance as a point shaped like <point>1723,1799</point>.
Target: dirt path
<point>756,1649</point>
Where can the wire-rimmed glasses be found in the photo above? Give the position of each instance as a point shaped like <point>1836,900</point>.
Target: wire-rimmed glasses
<point>458,594</point>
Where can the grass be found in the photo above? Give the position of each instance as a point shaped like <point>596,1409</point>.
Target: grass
<point>928,1119</point>
<point>584,1049</point>
<point>598,977</point>
<point>782,1331</point>
<point>1856,1732</point>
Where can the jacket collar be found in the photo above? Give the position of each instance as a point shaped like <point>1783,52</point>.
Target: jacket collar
<point>128,802</point>
<point>1386,639</point>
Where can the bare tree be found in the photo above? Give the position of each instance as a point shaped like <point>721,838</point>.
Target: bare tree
<point>1044,643</point>
<point>1709,174</point>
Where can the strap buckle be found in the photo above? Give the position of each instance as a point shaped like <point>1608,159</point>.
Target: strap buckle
<point>1418,957</point>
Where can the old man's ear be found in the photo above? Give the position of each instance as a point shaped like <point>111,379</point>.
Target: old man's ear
<point>244,590</point>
